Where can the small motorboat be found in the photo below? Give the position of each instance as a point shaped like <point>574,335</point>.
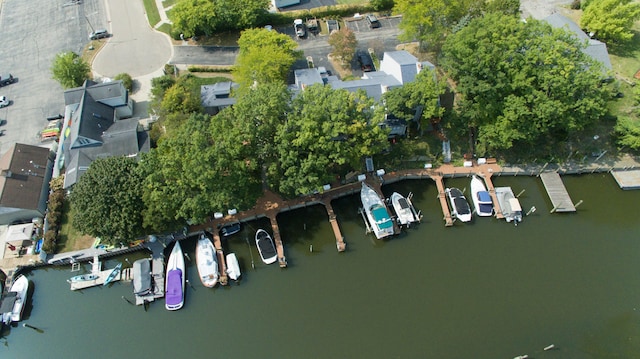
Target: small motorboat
<point>142,277</point>
<point>113,275</point>
<point>175,285</point>
<point>230,229</point>
<point>233,268</point>
<point>266,248</point>
<point>403,207</point>
<point>376,212</point>
<point>83,278</point>
<point>481,198</point>
<point>16,299</point>
<point>206,262</point>
<point>460,208</point>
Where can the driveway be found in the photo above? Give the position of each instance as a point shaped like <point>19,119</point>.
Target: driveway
<point>33,32</point>
<point>134,47</point>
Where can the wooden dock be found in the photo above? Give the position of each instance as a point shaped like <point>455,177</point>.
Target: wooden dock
<point>340,244</point>
<point>492,192</point>
<point>627,179</point>
<point>222,264</point>
<point>102,276</point>
<point>282,260</point>
<point>446,212</point>
<point>557,192</point>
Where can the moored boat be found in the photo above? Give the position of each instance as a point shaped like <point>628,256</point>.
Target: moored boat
<point>114,273</point>
<point>17,296</point>
<point>509,205</point>
<point>83,278</point>
<point>266,248</point>
<point>233,268</point>
<point>230,229</point>
<point>206,261</point>
<point>142,277</point>
<point>481,198</point>
<point>174,296</point>
<point>376,212</point>
<point>404,209</point>
<point>460,208</point>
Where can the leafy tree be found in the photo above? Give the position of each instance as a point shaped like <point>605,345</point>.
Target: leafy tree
<point>611,20</point>
<point>424,91</point>
<point>379,5</point>
<point>195,172</point>
<point>193,17</point>
<point>507,7</point>
<point>430,21</point>
<point>327,133</point>
<point>523,82</point>
<point>107,199</point>
<point>344,44</point>
<point>126,79</point>
<point>628,133</point>
<point>70,70</point>
<point>265,57</point>
<point>198,17</point>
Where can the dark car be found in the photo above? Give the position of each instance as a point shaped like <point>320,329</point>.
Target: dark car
<point>6,79</point>
<point>373,21</point>
<point>365,62</point>
<point>98,34</point>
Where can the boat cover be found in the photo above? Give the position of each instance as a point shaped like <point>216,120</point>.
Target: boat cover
<point>267,248</point>
<point>484,196</point>
<point>141,277</point>
<point>174,287</point>
<point>403,203</point>
<point>381,216</point>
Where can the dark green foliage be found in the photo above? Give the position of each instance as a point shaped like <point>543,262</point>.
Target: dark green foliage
<point>70,70</point>
<point>522,83</point>
<point>127,81</point>
<point>205,17</point>
<point>108,200</point>
<point>379,5</point>
<point>627,132</point>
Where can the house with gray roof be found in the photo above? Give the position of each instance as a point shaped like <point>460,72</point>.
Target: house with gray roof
<point>25,173</point>
<point>217,96</point>
<point>98,124</point>
<point>596,49</point>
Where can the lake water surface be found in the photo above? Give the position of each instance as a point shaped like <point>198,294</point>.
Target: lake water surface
<point>487,289</point>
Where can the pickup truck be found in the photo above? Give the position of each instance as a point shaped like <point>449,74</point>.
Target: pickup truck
<point>299,28</point>
<point>6,79</point>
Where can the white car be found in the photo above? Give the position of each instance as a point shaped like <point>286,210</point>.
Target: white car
<point>4,101</point>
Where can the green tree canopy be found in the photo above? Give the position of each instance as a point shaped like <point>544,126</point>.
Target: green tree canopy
<point>265,57</point>
<point>205,17</point>
<point>344,44</point>
<point>107,200</point>
<point>196,171</point>
<point>523,82</point>
<point>327,133</point>
<point>424,91</point>
<point>628,133</point>
<point>611,20</point>
<point>70,70</point>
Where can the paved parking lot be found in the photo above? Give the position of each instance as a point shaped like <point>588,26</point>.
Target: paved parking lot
<point>33,32</point>
<point>361,25</point>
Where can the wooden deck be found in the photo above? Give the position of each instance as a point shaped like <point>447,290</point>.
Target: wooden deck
<point>222,264</point>
<point>446,212</point>
<point>557,192</point>
<point>102,276</point>
<point>492,191</point>
<point>340,244</point>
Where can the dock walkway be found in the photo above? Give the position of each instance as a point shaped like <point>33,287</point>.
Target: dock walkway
<point>557,192</point>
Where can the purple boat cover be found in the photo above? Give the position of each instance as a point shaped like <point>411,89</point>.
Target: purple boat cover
<point>174,287</point>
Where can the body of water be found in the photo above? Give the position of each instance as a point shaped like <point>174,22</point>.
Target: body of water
<point>486,289</point>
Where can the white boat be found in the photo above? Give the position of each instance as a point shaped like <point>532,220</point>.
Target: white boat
<point>233,268</point>
<point>266,248</point>
<point>481,198</point>
<point>142,277</point>
<point>83,278</point>
<point>16,299</point>
<point>376,212</point>
<point>459,206</point>
<point>404,209</point>
<point>206,262</point>
<point>175,285</point>
<point>509,205</point>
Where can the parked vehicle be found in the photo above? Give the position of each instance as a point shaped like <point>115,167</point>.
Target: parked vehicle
<point>98,34</point>
<point>300,28</point>
<point>373,21</point>
<point>365,62</point>
<point>6,79</point>
<point>4,101</point>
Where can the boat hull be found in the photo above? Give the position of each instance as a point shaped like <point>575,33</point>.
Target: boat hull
<point>83,278</point>
<point>233,268</point>
<point>21,287</point>
<point>459,205</point>
<point>266,248</point>
<point>376,213</point>
<point>481,199</point>
<point>142,277</point>
<point>206,262</point>
<point>404,209</point>
<point>114,273</point>
<point>175,279</point>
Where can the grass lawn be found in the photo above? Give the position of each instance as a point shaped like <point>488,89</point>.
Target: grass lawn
<point>69,239</point>
<point>350,2</point>
<point>167,3</point>
<point>153,15</point>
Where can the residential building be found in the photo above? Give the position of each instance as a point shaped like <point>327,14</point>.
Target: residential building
<point>217,96</point>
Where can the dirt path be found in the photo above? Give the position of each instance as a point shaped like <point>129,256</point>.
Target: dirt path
<point>539,9</point>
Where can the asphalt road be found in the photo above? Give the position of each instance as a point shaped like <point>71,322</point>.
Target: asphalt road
<point>33,32</point>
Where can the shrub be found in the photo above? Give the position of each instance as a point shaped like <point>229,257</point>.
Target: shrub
<point>126,79</point>
<point>49,245</point>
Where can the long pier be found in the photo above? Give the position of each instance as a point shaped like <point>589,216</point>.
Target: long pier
<point>557,192</point>
<point>446,212</point>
